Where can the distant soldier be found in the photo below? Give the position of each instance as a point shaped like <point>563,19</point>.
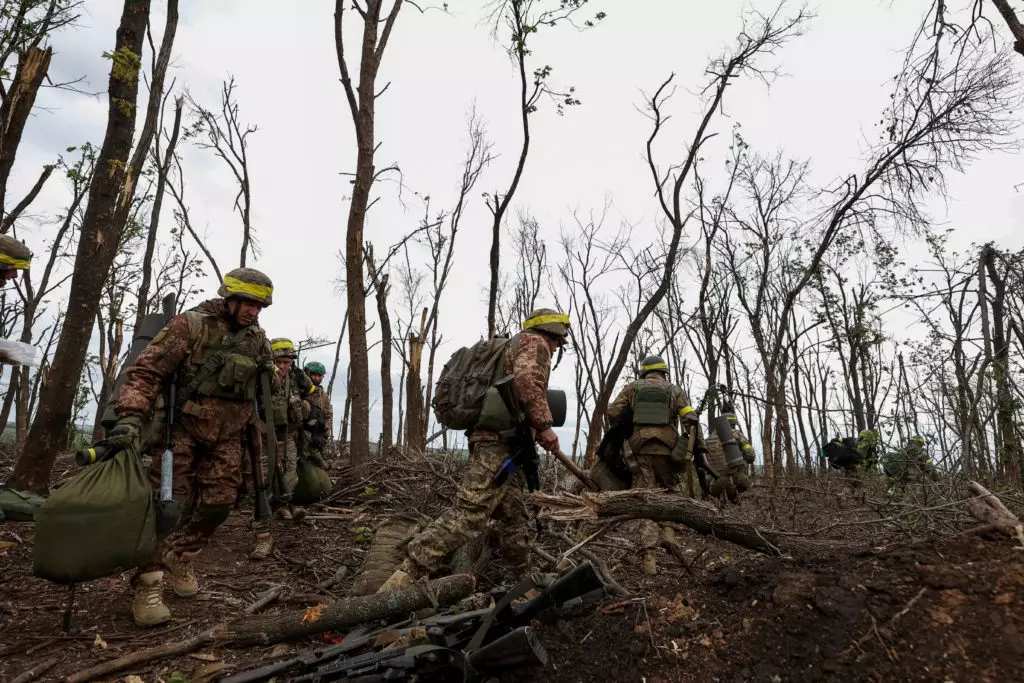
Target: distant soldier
<point>290,413</point>
<point>218,356</point>
<point>732,477</point>
<point>320,422</point>
<point>911,462</point>
<point>853,455</point>
<point>659,409</point>
<point>526,358</point>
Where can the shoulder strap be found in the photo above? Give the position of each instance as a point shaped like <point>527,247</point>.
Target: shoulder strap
<point>214,363</point>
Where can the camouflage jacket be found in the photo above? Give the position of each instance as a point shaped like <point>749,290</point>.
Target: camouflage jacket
<point>656,440</point>
<point>290,408</point>
<point>716,452</point>
<point>528,360</point>
<point>319,399</point>
<point>178,349</point>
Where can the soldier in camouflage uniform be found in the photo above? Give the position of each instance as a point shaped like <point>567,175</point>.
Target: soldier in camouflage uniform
<point>659,408</point>
<point>320,425</point>
<point>527,358</point>
<point>291,409</point>
<point>911,462</point>
<point>732,479</point>
<point>216,353</point>
<point>14,256</point>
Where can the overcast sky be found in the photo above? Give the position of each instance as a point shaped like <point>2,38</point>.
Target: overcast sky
<point>439,66</point>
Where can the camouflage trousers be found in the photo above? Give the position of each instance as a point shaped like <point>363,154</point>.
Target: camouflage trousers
<point>653,471</point>
<point>207,475</point>
<point>476,503</point>
<point>288,452</point>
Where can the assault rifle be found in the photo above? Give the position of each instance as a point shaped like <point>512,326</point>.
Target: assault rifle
<point>448,646</point>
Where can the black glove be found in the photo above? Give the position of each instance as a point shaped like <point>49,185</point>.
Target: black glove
<point>126,434</point>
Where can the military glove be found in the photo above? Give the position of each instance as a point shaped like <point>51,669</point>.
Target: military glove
<point>126,434</point>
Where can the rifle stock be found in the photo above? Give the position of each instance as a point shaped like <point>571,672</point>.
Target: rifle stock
<point>261,511</point>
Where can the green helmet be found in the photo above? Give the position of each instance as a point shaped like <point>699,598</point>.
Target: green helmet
<point>247,283</point>
<point>14,255</point>
<point>283,348</point>
<point>549,321</point>
<point>653,364</point>
<point>917,439</point>
<point>315,368</point>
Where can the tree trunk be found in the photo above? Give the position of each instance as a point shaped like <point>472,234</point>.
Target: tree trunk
<point>21,408</point>
<point>97,246</point>
<point>12,393</point>
<point>32,69</point>
<point>337,356</point>
<point>415,437</point>
<point>386,388</point>
<point>343,614</point>
<point>1009,447</point>
<point>347,411</point>
<point>671,507</point>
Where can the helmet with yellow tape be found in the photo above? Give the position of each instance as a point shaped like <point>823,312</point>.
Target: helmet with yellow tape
<point>247,283</point>
<point>283,348</point>
<point>653,364</point>
<point>14,255</point>
<point>548,321</point>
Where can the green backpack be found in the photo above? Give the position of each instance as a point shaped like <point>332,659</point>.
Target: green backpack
<point>459,394</point>
<point>19,506</point>
<point>313,481</point>
<point>100,523</point>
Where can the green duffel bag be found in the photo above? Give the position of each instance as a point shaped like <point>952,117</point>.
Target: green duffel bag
<point>19,506</point>
<point>100,523</point>
<point>314,483</point>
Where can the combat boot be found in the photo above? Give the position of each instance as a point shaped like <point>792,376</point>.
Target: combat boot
<point>183,575</point>
<point>650,563</point>
<point>148,608</point>
<point>263,547</point>
<point>284,513</point>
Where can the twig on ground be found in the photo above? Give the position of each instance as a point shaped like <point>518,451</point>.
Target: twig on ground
<point>597,534</point>
<point>265,599</point>
<point>36,671</point>
<point>142,656</point>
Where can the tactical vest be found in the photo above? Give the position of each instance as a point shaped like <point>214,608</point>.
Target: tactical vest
<point>284,414</point>
<point>652,406</point>
<point>221,364</point>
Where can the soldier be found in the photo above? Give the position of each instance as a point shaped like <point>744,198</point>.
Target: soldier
<point>909,463</point>
<point>732,479</point>
<point>217,355</point>
<point>320,425</point>
<point>14,256</point>
<point>290,413</point>
<point>659,408</point>
<point>527,358</point>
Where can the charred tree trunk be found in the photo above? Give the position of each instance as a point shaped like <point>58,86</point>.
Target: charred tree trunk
<point>32,69</point>
<point>97,246</point>
<point>415,436</point>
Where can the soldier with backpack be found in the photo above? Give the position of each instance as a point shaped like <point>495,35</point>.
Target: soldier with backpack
<point>732,478</point>
<point>220,358</point>
<point>466,399</point>
<point>320,423</point>
<point>659,409</point>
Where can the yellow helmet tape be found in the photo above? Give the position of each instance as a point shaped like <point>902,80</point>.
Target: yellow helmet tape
<point>683,412</point>
<point>654,366</point>
<point>236,286</point>
<point>544,319</point>
<point>284,344</point>
<point>16,263</point>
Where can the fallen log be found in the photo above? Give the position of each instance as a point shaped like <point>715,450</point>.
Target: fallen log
<point>988,509</point>
<point>343,614</point>
<point>339,615</point>
<point>661,506</point>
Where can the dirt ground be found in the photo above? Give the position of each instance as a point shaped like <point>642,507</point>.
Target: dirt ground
<point>907,598</point>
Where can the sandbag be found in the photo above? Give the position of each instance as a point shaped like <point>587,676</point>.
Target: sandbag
<point>314,483</point>
<point>387,551</point>
<point>100,523</point>
<point>19,506</point>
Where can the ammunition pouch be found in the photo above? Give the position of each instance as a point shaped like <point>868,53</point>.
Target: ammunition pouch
<point>651,406</point>
<point>494,416</point>
<point>680,455</point>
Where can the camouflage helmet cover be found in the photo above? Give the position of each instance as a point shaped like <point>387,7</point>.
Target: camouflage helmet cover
<point>315,368</point>
<point>14,255</point>
<point>653,364</point>
<point>548,320</point>
<point>283,348</point>
<point>247,283</point>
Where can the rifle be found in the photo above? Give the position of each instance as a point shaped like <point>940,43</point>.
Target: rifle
<point>467,646</point>
<point>261,510</point>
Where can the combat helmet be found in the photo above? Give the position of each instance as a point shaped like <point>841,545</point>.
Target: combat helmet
<point>315,367</point>
<point>14,255</point>
<point>247,283</point>
<point>653,364</point>
<point>548,321</point>
<point>283,348</point>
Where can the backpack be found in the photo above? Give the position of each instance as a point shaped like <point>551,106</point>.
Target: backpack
<point>313,483</point>
<point>842,453</point>
<point>465,378</point>
<point>19,506</point>
<point>102,522</point>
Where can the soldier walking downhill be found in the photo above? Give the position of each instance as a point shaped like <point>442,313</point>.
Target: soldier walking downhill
<point>527,358</point>
<point>217,355</point>
<point>659,408</point>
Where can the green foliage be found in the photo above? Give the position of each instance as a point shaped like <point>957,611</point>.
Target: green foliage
<point>125,65</point>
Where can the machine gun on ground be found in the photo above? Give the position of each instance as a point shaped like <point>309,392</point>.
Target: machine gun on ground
<point>447,647</point>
